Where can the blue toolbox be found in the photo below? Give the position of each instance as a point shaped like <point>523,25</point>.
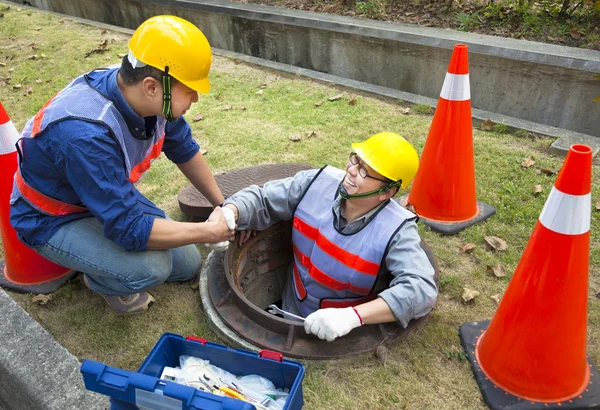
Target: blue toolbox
<point>145,389</point>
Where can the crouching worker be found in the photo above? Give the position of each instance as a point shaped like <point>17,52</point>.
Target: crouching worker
<point>357,253</point>
<point>75,199</point>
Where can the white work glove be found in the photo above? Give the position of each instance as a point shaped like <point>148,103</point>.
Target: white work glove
<point>230,221</point>
<point>330,323</point>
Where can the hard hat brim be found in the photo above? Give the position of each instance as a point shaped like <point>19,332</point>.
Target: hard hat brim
<point>202,86</point>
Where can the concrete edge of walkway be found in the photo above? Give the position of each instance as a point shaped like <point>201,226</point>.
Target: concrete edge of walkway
<point>36,372</point>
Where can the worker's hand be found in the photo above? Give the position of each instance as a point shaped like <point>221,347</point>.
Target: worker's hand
<point>330,323</point>
<point>245,236</point>
<point>223,222</point>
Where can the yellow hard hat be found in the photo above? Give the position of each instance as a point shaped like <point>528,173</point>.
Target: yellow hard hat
<point>169,41</point>
<point>390,155</point>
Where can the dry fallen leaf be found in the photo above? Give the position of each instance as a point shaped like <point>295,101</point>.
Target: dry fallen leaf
<point>38,81</point>
<point>2,64</point>
<point>598,206</point>
<point>318,104</point>
<point>382,353</point>
<point>496,243</point>
<point>236,61</point>
<point>31,57</point>
<point>467,248</point>
<point>495,298</point>
<point>576,34</point>
<point>295,138</point>
<point>547,171</point>
<point>17,86</point>
<point>37,28</point>
<point>203,151</point>
<point>41,299</point>
<point>263,86</point>
<point>335,98</point>
<point>28,91</point>
<point>100,49</point>
<point>197,117</point>
<point>242,108</point>
<point>311,134</point>
<point>121,55</point>
<point>469,294</point>
<point>107,58</point>
<point>352,101</point>
<point>226,108</point>
<point>528,162</point>
<point>537,190</point>
<point>259,92</point>
<point>43,55</point>
<point>487,125</point>
<point>496,270</point>
<point>404,111</point>
<point>10,70</point>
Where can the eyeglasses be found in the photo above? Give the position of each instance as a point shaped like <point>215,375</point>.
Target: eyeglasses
<point>362,171</point>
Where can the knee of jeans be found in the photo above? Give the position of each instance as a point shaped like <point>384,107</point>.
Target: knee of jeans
<point>190,265</point>
<point>154,270</point>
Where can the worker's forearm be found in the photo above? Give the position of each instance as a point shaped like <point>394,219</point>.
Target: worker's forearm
<point>201,177</point>
<point>375,311</point>
<point>167,234</point>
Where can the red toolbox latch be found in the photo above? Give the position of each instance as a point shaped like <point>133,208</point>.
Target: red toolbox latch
<point>196,339</point>
<point>269,354</point>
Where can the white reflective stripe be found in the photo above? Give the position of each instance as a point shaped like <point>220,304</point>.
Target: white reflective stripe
<point>8,138</point>
<point>567,214</point>
<point>456,87</point>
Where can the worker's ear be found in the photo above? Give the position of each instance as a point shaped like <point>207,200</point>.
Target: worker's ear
<point>151,88</point>
<point>388,192</point>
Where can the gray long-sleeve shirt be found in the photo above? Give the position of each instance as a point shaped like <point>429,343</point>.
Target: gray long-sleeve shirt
<point>412,292</point>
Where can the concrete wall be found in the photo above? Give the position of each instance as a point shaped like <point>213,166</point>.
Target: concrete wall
<point>546,84</point>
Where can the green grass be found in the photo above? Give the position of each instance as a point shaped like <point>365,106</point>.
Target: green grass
<point>424,371</point>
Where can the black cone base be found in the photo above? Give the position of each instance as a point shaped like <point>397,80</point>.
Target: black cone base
<point>498,399</point>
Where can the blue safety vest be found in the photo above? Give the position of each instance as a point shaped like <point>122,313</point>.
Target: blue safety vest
<point>81,101</point>
<point>332,269</point>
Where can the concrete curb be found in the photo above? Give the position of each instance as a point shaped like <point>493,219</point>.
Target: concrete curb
<point>35,371</point>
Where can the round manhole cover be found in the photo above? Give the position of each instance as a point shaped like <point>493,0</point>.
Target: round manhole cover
<point>193,203</point>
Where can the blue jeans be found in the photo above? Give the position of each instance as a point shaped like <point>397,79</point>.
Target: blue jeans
<point>82,246</point>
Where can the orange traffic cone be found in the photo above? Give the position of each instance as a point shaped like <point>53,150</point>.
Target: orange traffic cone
<point>535,346</point>
<point>24,270</point>
<point>443,191</point>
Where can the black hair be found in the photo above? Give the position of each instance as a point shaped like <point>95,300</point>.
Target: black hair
<point>132,76</point>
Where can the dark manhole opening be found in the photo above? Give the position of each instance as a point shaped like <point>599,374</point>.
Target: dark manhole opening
<point>242,282</point>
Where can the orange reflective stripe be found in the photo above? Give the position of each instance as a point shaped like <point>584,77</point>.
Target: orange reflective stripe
<point>37,120</point>
<point>332,303</point>
<point>325,279</point>
<point>341,255</point>
<point>143,166</point>
<point>45,203</point>
<point>299,285</point>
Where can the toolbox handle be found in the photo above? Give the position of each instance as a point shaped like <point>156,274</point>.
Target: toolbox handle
<point>270,354</point>
<point>196,339</point>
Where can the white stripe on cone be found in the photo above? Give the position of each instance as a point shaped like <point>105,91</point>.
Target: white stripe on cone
<point>567,214</point>
<point>8,138</point>
<point>456,87</point>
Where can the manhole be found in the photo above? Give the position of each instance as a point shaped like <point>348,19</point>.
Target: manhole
<point>238,285</point>
<point>193,203</point>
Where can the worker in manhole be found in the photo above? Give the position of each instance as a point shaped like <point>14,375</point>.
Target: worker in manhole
<point>75,200</point>
<point>357,253</point>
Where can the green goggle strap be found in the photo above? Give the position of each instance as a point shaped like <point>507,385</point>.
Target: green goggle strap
<point>166,108</point>
<point>345,195</point>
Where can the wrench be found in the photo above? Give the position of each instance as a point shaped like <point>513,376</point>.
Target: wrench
<point>274,310</point>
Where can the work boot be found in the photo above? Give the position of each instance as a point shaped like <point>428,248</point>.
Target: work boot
<point>126,304</point>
